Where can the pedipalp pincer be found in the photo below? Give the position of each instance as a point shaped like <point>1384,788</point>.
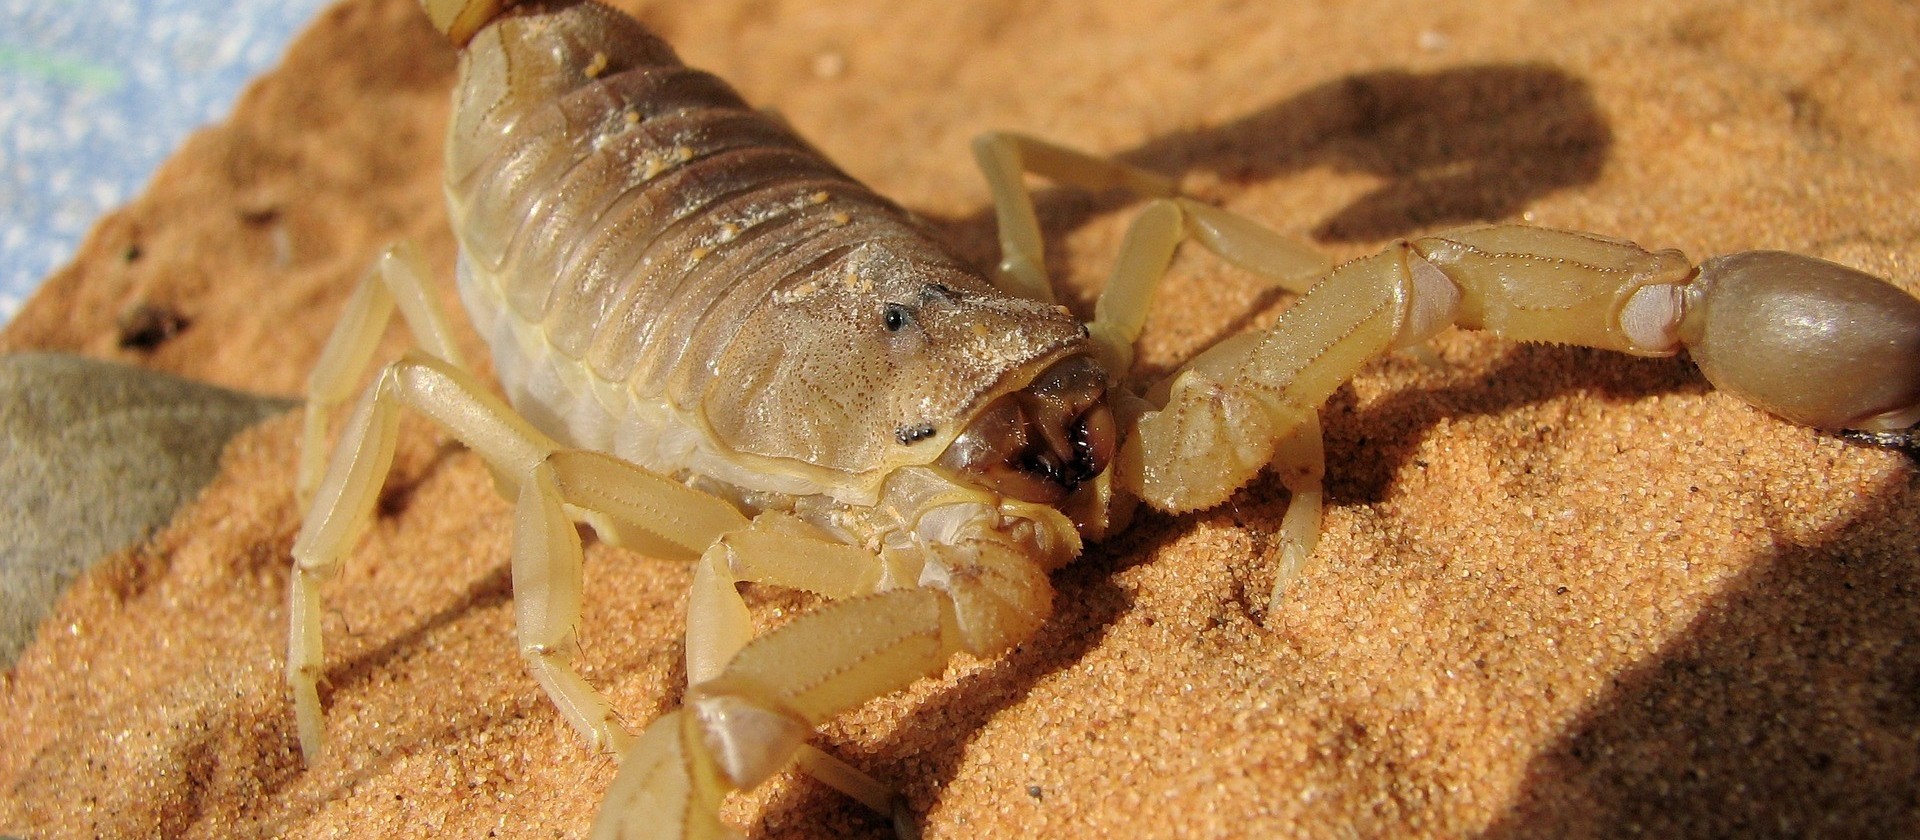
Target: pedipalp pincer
<point>718,347</point>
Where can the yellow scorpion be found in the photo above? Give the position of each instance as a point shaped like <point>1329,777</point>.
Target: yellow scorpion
<point>720,348</point>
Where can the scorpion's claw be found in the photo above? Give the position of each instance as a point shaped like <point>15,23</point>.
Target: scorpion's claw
<point>1207,442</point>
<point>1812,341</point>
<point>664,789</point>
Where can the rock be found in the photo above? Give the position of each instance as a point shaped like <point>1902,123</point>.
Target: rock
<point>94,456</point>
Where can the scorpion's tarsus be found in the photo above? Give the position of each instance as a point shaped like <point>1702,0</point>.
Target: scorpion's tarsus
<point>1906,441</point>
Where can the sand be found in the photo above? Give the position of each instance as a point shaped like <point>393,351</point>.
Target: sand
<point>1560,592</point>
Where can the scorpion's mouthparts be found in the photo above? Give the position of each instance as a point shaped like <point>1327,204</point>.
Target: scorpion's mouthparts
<point>1040,442</point>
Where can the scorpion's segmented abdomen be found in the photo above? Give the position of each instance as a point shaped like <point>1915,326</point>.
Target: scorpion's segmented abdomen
<point>634,217</point>
<point>616,194</point>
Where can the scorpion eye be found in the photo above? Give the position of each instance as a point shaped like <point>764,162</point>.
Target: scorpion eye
<point>894,316</point>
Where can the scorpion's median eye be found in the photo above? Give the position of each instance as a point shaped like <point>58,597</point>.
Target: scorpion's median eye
<point>894,316</point>
<point>909,435</point>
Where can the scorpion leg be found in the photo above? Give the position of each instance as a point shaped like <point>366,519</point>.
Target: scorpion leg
<point>781,550</point>
<point>1121,313</point>
<point>1004,159</point>
<point>400,277</point>
<point>345,495</point>
<point>547,563</point>
<point>551,484</point>
<point>777,550</point>
<point>558,486</point>
<point>752,718</point>
<point>1812,341</point>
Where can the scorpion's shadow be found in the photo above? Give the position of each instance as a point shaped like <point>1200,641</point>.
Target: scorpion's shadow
<point>1789,707</point>
<point>1467,144</point>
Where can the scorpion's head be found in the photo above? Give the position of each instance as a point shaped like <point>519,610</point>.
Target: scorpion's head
<point>1041,442</point>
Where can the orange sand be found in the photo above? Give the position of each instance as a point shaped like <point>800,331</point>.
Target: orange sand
<point>1560,593</point>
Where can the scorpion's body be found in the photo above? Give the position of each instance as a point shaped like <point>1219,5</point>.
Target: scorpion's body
<point>720,348</point>
<point>670,276</point>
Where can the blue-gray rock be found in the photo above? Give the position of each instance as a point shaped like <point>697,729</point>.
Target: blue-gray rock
<point>94,456</point>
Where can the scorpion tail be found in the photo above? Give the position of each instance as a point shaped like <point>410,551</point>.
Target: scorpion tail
<point>460,19</point>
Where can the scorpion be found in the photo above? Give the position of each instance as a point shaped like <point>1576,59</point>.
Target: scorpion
<point>719,348</point>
